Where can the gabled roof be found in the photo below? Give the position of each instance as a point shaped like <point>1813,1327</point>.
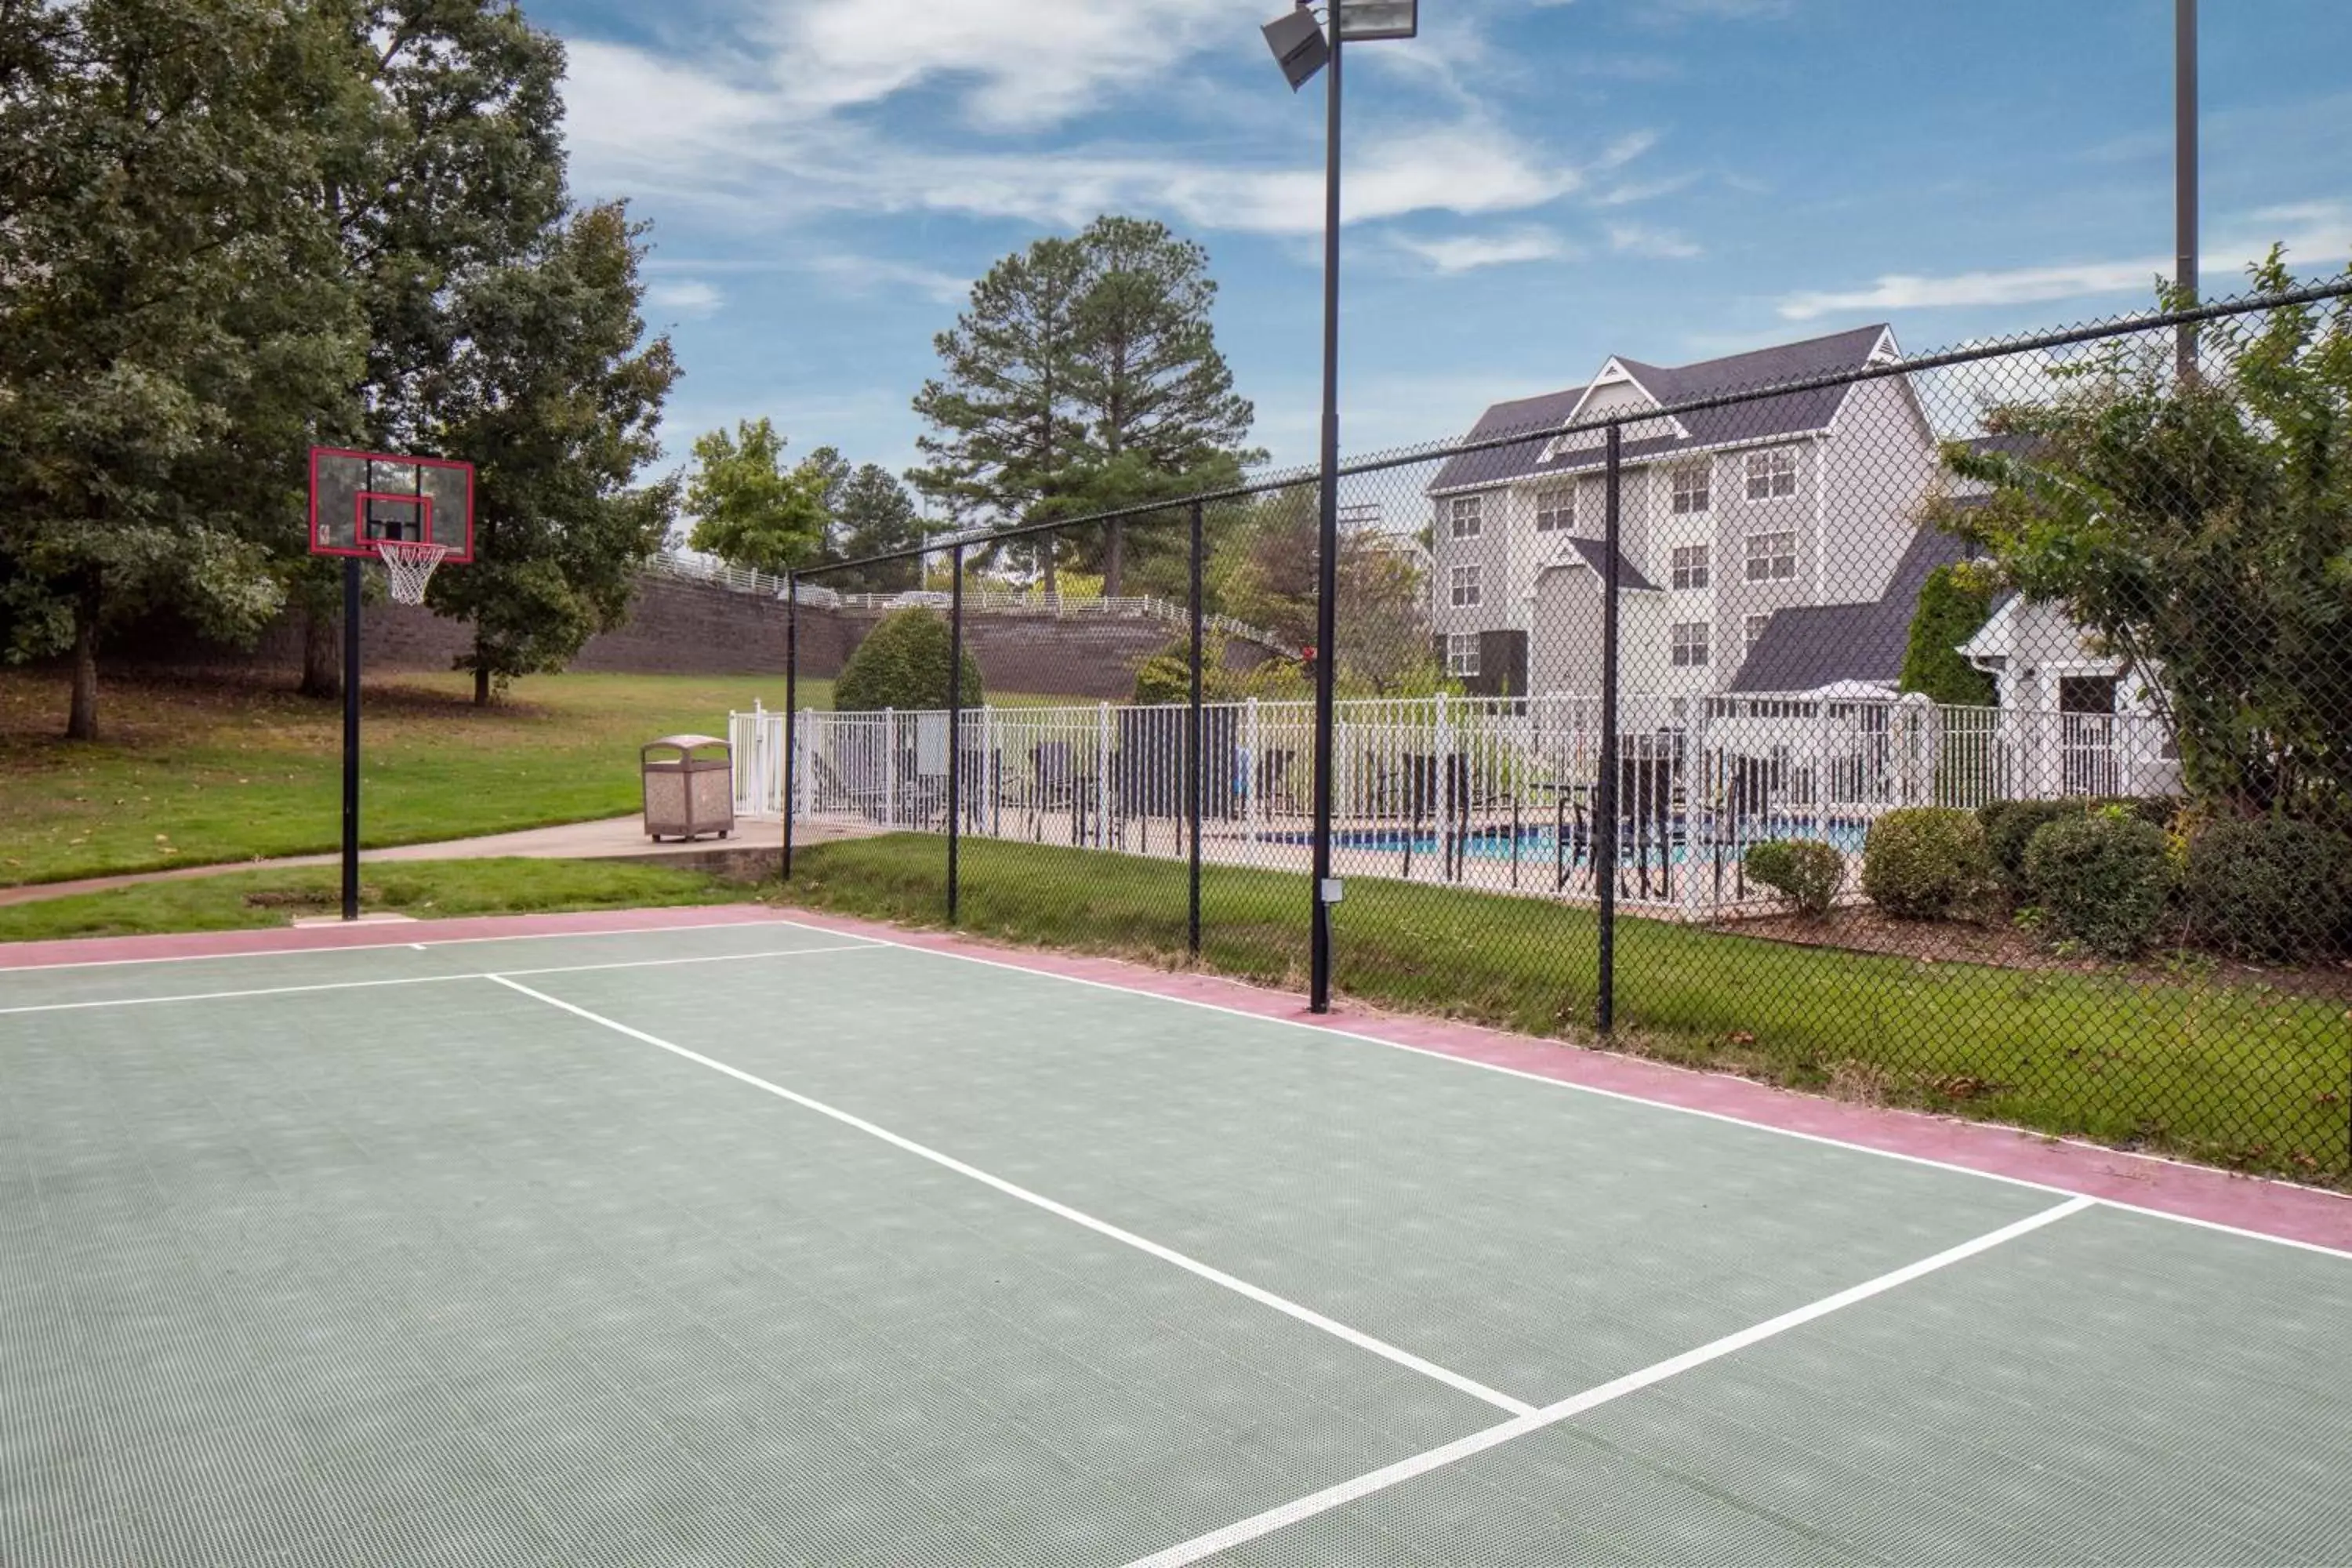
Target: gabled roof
<point>1765,419</point>
<point>1588,552</point>
<point>1808,647</point>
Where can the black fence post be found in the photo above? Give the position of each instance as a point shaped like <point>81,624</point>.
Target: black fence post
<point>1196,762</point>
<point>1604,835</point>
<point>351,737</point>
<point>955,722</point>
<point>792,706</point>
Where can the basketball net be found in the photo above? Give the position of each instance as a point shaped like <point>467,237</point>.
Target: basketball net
<point>408,566</point>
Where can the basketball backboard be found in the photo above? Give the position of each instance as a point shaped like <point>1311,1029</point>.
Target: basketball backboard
<point>360,499</point>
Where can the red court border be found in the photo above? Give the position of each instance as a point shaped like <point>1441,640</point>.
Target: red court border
<point>2193,1192</point>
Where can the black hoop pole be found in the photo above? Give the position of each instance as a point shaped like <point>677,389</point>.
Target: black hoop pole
<point>351,737</point>
<point>1604,836</point>
<point>792,706</point>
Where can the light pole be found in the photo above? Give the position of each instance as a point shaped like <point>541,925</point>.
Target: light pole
<point>2184,170</point>
<point>1302,46</point>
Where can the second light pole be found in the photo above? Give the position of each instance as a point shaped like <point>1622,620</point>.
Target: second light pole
<point>1302,46</point>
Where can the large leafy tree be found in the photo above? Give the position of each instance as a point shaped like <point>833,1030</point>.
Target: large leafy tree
<point>1262,570</point>
<point>173,318</point>
<point>750,508</point>
<point>554,392</point>
<point>1084,377</point>
<point>872,514</point>
<point>449,165</point>
<point>2201,528</point>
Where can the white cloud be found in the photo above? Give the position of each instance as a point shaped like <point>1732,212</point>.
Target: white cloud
<point>1641,239</point>
<point>864,274</point>
<point>686,297</point>
<point>1468,252</point>
<point>2317,236</point>
<point>1629,192</point>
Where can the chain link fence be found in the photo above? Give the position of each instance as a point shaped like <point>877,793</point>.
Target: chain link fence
<point>1970,731</point>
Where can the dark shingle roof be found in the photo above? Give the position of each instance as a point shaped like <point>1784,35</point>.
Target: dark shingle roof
<point>1629,580</point>
<point>1769,419</point>
<point>1806,648</point>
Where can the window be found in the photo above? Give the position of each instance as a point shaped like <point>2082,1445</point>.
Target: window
<point>1465,515</point>
<point>1466,585</point>
<point>1690,645</point>
<point>1772,557</point>
<point>1555,511</point>
<point>1690,490</point>
<point>1462,654</point>
<point>1773,473</point>
<point>1690,566</point>
<point>1754,628</point>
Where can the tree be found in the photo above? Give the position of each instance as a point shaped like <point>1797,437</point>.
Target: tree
<point>1263,571</point>
<point>750,510</point>
<point>554,396</point>
<point>903,664</point>
<point>449,163</point>
<point>2200,530</point>
<point>174,318</point>
<point>1158,397</point>
<point>1005,437</point>
<point>873,515</point>
<point>1085,377</point>
<point>1953,603</point>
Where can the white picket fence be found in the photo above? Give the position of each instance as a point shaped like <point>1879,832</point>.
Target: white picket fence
<point>1494,793</point>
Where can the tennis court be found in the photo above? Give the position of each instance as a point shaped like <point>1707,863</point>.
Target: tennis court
<point>765,1243</point>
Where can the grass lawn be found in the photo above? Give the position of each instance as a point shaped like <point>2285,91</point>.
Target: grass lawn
<point>237,899</point>
<point>191,774</point>
<point>2240,1075</point>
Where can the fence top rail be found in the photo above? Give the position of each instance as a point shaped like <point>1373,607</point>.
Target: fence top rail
<point>2119,327</point>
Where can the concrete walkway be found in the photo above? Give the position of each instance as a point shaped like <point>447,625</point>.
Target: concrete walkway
<point>614,838</point>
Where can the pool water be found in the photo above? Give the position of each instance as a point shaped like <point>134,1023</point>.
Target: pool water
<point>1535,841</point>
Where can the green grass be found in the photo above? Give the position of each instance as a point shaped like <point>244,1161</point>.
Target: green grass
<point>192,774</point>
<point>2241,1075</point>
<point>235,900</point>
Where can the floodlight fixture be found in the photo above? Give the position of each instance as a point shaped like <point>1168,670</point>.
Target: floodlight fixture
<point>1365,21</point>
<point>1298,45</point>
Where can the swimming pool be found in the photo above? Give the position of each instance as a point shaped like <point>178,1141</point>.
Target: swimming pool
<point>1536,840</point>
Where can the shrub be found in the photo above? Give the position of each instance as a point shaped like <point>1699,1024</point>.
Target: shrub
<point>1954,605</point>
<point>2101,878</point>
<point>2009,825</point>
<point>2269,889</point>
<point>903,663</point>
<point>1806,873</point>
<point>1166,676</point>
<point>1923,863</point>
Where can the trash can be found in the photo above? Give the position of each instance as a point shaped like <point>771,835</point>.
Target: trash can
<point>687,795</point>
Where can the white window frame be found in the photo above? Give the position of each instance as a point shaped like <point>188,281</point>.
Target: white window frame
<point>1465,586</point>
<point>1691,489</point>
<point>1556,509</point>
<point>1461,653</point>
<point>1773,473</point>
<point>1765,567</point>
<point>1691,575</point>
<point>1465,516</point>
<point>1753,628</point>
<point>1692,644</point>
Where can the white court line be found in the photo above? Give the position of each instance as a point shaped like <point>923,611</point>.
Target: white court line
<point>380,946</point>
<point>1193,1266</point>
<point>428,978</point>
<point>1330,1498</point>
<point>1824,1139</point>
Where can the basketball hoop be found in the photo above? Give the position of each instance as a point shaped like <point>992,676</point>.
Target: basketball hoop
<point>408,566</point>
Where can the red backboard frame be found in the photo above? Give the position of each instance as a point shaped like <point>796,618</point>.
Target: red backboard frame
<point>435,518</point>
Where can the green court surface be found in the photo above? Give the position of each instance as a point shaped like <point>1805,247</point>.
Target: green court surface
<point>762,1244</point>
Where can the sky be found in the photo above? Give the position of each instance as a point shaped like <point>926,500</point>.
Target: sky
<point>1530,185</point>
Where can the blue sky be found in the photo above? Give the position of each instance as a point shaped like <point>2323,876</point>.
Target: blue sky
<point>1533,185</point>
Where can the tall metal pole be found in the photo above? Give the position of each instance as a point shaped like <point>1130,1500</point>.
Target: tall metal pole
<point>955,721</point>
<point>2184,174</point>
<point>1195,764</point>
<point>351,737</point>
<point>1605,806</point>
<point>1327,574</point>
<point>792,706</point>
